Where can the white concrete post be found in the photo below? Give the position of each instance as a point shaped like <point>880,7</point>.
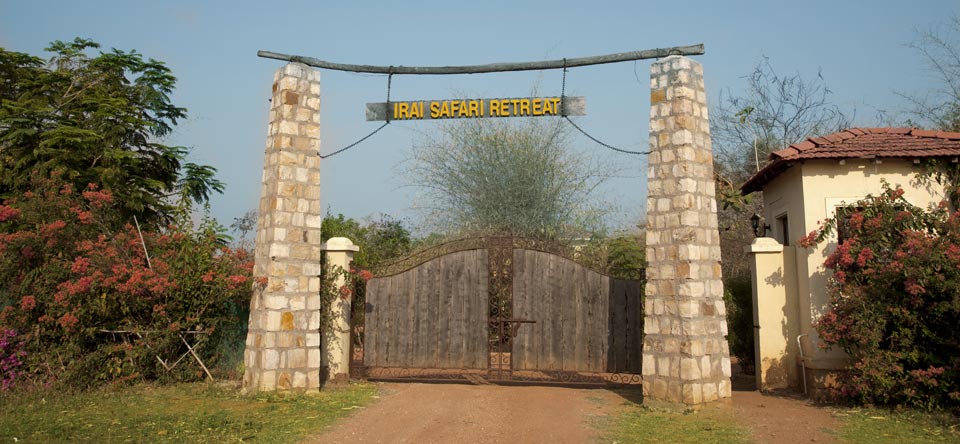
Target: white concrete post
<point>336,343</point>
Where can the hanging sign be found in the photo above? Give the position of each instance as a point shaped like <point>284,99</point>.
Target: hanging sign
<point>475,108</point>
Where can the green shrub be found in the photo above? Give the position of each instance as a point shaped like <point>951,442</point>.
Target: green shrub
<point>738,299</point>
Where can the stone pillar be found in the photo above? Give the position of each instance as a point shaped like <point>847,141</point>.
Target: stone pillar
<point>686,359</point>
<point>336,342</point>
<point>283,340</point>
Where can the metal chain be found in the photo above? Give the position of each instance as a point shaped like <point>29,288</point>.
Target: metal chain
<point>362,139</point>
<point>563,92</point>
<point>640,153</point>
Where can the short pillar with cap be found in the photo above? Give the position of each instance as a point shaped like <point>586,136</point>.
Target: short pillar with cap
<point>336,340</point>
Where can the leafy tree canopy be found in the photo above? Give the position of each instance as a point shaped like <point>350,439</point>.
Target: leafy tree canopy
<point>96,120</point>
<point>483,176</point>
<point>378,241</point>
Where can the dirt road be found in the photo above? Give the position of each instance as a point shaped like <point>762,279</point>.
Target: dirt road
<point>467,414</point>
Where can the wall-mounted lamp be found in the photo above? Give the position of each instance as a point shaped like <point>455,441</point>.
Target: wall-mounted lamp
<point>758,229</point>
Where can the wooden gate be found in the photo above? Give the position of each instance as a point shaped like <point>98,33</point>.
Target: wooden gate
<point>501,310</point>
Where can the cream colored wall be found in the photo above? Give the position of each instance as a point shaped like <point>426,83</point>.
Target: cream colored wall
<point>779,321</point>
<point>775,313</point>
<point>809,192</point>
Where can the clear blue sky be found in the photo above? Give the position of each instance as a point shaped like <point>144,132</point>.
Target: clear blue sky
<point>211,47</point>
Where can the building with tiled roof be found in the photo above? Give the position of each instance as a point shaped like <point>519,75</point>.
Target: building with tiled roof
<point>803,185</point>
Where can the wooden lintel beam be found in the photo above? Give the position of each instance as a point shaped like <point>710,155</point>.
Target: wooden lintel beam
<point>491,67</point>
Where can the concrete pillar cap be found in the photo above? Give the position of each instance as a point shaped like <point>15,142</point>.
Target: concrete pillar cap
<point>763,245</point>
<point>339,244</point>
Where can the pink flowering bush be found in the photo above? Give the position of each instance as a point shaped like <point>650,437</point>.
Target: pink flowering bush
<point>895,301</point>
<point>71,273</point>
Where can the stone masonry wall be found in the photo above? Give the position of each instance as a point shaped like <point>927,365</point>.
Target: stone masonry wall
<point>283,341</point>
<point>686,359</point>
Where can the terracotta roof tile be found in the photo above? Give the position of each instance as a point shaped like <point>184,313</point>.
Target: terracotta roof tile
<point>860,143</point>
<point>806,144</point>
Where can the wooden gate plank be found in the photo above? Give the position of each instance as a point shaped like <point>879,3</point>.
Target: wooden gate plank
<point>459,294</point>
<point>568,313</point>
<point>593,331</point>
<point>601,292</point>
<point>469,308</point>
<point>371,318</point>
<point>555,356</point>
<point>581,333</point>
<point>618,307</point>
<point>635,331</point>
<point>444,289</point>
<point>480,312</point>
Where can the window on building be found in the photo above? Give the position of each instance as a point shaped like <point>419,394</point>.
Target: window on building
<point>843,227</point>
<point>783,230</point>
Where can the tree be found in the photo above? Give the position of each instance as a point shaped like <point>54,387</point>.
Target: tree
<point>773,112</point>
<point>97,120</point>
<point>518,177</point>
<point>378,241</point>
<point>243,226</point>
<point>939,108</point>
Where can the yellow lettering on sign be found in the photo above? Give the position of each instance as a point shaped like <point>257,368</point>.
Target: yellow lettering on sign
<point>475,108</point>
<point>556,105</point>
<point>524,107</point>
<point>538,107</point>
<point>548,107</point>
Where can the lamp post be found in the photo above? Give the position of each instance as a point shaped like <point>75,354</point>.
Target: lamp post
<point>759,230</point>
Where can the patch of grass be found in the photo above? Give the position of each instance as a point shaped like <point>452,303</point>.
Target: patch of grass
<point>195,413</point>
<point>637,424</point>
<point>876,426</point>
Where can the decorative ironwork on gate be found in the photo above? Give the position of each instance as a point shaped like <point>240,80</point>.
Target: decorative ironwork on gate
<point>499,310</point>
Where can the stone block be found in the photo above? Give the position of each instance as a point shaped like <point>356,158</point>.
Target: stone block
<point>660,388</point>
<point>692,394</point>
<point>313,357</point>
<point>286,321</point>
<point>268,380</point>
<point>689,369</point>
<point>710,392</point>
<point>283,380</point>
<point>724,388</point>
<point>674,393</point>
<point>270,359</point>
<point>297,358</point>
<point>663,366</point>
<point>275,302</point>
